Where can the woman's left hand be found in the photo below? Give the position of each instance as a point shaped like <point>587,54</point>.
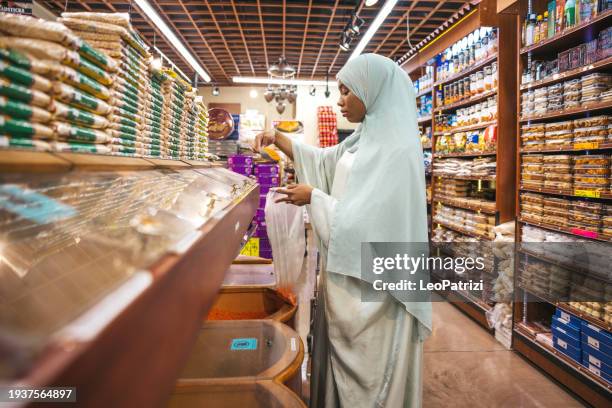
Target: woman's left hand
<point>297,194</point>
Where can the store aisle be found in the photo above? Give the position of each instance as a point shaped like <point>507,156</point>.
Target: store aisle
<point>466,367</point>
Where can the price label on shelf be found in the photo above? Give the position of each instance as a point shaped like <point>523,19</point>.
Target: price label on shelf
<point>251,248</point>
<point>584,233</point>
<point>587,193</point>
<point>586,146</point>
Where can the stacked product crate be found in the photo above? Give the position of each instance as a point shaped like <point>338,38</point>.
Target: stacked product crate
<point>174,97</point>
<point>328,126</point>
<point>131,90</point>
<point>53,88</point>
<point>267,175</point>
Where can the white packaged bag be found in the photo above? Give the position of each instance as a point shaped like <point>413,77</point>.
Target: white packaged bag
<point>285,225</point>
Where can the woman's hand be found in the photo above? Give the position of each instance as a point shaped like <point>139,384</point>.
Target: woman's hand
<point>263,139</point>
<point>297,194</point>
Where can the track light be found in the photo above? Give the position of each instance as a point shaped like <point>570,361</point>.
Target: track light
<point>345,41</point>
<point>216,91</point>
<point>369,3</point>
<point>355,24</point>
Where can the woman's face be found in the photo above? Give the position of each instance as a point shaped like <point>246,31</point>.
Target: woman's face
<point>350,105</point>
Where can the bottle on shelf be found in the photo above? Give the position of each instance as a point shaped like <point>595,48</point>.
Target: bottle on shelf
<point>544,27</point>
<point>570,13</point>
<point>530,23</point>
<point>537,37</point>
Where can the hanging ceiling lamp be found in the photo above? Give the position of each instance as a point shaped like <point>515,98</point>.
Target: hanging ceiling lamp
<point>282,69</point>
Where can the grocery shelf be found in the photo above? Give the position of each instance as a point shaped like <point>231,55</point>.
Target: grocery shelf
<point>15,160</point>
<point>578,148</point>
<point>465,206</point>
<point>574,73</point>
<point>424,92</point>
<point>466,102</point>
<point>561,358</point>
<point>571,193</point>
<point>468,71</point>
<point>585,316</point>
<point>573,268</point>
<point>568,112</point>
<point>475,178</point>
<point>424,119</point>
<point>477,126</point>
<point>462,230</point>
<point>469,154</point>
<point>594,237</point>
<point>570,37</point>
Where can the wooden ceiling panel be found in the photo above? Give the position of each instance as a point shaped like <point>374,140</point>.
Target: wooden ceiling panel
<point>242,37</point>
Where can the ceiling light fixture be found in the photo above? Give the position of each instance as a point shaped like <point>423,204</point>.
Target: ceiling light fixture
<point>172,38</point>
<point>380,18</point>
<point>369,3</point>
<point>345,41</point>
<point>253,94</point>
<point>215,91</point>
<point>277,81</point>
<point>282,69</point>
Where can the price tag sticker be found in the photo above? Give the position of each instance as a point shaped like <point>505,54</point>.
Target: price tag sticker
<point>587,193</point>
<point>584,233</point>
<point>586,145</point>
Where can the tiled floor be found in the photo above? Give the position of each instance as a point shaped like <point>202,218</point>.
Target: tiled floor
<point>464,366</point>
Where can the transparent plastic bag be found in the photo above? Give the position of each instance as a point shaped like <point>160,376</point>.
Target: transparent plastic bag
<point>285,227</point>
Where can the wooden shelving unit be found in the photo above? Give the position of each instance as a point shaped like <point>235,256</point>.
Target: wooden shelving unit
<point>506,94</point>
<point>531,307</point>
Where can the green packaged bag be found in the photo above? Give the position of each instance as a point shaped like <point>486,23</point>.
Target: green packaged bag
<point>20,110</point>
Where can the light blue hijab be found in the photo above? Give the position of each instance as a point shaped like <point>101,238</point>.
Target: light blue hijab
<point>385,200</point>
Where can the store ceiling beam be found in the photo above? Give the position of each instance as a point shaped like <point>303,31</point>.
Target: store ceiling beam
<point>263,32</point>
<point>246,47</point>
<point>210,50</point>
<point>221,32</point>
<point>324,40</point>
<point>396,26</point>
<point>414,30</point>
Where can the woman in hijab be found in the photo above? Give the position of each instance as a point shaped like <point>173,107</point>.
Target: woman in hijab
<point>369,188</point>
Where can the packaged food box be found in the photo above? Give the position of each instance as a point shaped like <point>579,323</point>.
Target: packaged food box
<point>557,169</point>
<point>592,170</point>
<point>558,177</point>
<point>532,209</point>
<point>574,328</point>
<point>599,341</point>
<point>532,176</point>
<point>240,160</point>
<point>592,160</point>
<point>532,198</point>
<point>555,212</point>
<point>558,203</point>
<point>532,158</point>
<point>585,217</point>
<point>564,347</point>
<point>590,206</point>
<point>557,159</point>
<point>592,179</point>
<point>592,122</point>
<point>531,168</point>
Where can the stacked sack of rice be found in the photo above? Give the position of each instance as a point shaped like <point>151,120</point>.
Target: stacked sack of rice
<point>174,114</point>
<point>188,130</point>
<point>112,34</point>
<point>153,123</point>
<point>54,87</point>
<point>201,131</point>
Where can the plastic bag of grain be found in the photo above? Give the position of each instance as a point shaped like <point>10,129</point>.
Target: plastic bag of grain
<point>80,147</point>
<point>23,111</point>
<point>70,95</point>
<point>24,143</point>
<point>63,112</point>
<point>74,133</point>
<point>20,128</point>
<point>23,94</point>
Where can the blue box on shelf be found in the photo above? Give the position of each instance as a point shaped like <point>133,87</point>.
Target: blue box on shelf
<point>598,372</point>
<point>560,333</point>
<point>596,358</point>
<point>594,342</point>
<point>598,333</point>
<point>567,349</point>
<point>565,325</point>
<point>573,320</point>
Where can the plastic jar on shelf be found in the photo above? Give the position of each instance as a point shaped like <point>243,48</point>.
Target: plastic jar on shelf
<point>494,74</point>
<point>480,84</point>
